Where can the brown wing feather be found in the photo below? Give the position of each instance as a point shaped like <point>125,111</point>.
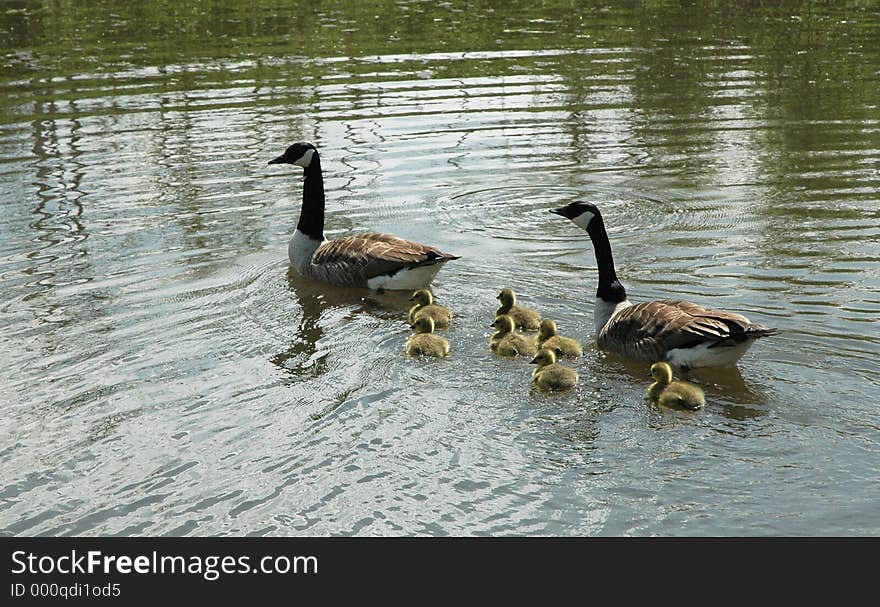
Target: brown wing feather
<point>377,254</point>
<point>649,330</point>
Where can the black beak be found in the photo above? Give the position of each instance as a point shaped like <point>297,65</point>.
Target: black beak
<point>559,211</point>
<point>279,160</point>
<point>534,361</point>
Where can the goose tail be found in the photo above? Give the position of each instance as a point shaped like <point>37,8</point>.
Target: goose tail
<point>758,331</point>
<point>436,257</point>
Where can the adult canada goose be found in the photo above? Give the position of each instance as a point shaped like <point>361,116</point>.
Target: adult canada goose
<point>673,393</point>
<point>524,318</point>
<point>375,261</point>
<point>680,332</point>
<point>550,375</point>
<point>425,306</point>
<point>425,342</point>
<point>506,342</point>
<point>548,337</point>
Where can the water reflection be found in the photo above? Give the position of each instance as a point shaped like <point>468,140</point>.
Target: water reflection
<point>314,299</point>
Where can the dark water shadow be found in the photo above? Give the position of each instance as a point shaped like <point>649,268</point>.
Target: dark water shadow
<point>724,386</point>
<point>317,299</point>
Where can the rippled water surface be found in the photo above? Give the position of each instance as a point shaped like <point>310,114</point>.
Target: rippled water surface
<point>164,373</point>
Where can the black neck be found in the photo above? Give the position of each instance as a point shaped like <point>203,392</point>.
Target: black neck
<point>311,216</point>
<point>609,288</point>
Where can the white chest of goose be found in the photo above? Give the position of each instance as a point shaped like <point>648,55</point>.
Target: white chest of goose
<point>683,333</point>
<point>374,261</point>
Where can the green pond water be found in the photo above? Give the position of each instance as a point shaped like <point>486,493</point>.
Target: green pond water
<point>162,372</point>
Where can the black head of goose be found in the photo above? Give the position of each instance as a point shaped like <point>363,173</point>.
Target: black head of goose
<point>374,261</point>
<point>683,333</point>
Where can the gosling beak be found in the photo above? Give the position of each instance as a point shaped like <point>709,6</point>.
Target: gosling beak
<point>279,160</point>
<point>559,211</point>
<point>534,361</point>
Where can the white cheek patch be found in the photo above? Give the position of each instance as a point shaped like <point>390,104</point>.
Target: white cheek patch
<point>306,159</point>
<point>583,220</point>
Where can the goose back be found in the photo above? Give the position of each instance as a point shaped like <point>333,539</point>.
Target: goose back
<point>375,261</point>
<point>665,329</point>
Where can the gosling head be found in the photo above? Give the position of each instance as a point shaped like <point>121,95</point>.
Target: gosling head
<point>661,372</point>
<point>301,154</point>
<point>507,297</point>
<point>544,357</point>
<point>581,213</point>
<point>424,324</point>
<point>422,297</point>
<point>547,330</point>
<point>504,324</point>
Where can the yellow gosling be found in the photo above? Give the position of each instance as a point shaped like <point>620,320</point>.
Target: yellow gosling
<point>425,306</point>
<point>523,318</point>
<point>550,375</point>
<point>424,342</point>
<point>548,337</point>
<point>507,342</point>
<point>673,393</point>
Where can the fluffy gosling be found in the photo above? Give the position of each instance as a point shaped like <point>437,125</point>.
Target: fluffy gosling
<point>548,337</point>
<point>425,306</point>
<point>524,318</point>
<point>424,342</point>
<point>506,342</point>
<point>550,375</point>
<point>673,393</point>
